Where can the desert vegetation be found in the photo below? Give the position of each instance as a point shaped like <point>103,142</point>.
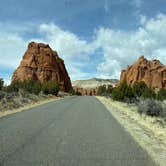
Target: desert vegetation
<point>105,90</point>
<point>74,93</point>
<point>147,99</point>
<point>20,93</point>
<point>33,87</point>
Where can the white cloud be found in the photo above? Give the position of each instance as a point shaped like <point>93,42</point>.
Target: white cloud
<point>119,48</point>
<point>75,51</point>
<point>143,19</point>
<point>66,43</point>
<point>12,48</point>
<point>122,48</point>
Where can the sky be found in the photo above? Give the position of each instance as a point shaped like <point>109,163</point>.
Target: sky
<point>96,38</point>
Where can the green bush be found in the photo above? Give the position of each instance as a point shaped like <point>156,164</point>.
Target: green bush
<point>13,87</point>
<point>149,93</point>
<point>117,94</point>
<point>123,92</point>
<point>31,86</point>
<point>73,92</point>
<point>109,89</point>
<point>161,94</point>
<point>50,87</point>
<point>1,83</point>
<point>105,90</point>
<point>139,88</point>
<point>101,90</point>
<point>34,87</point>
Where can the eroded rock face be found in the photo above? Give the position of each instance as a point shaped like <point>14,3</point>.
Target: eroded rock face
<point>153,73</point>
<point>41,63</point>
<point>86,91</point>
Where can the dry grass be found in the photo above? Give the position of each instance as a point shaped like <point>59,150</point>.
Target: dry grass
<point>149,132</point>
<point>28,106</point>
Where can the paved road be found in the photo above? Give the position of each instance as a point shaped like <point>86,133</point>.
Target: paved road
<point>76,131</point>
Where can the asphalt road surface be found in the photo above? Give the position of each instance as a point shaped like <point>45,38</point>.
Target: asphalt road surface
<point>75,131</point>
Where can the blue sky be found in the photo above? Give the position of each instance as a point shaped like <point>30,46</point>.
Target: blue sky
<point>96,38</point>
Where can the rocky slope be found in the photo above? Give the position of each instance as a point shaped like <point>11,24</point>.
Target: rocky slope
<point>90,86</point>
<point>41,63</point>
<point>153,73</point>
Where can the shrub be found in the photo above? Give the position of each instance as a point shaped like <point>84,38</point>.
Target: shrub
<point>117,94</point>
<point>1,83</point>
<point>78,93</point>
<point>109,89</point>
<point>101,90</point>
<point>31,86</point>
<point>149,93</point>
<point>34,87</point>
<point>123,92</point>
<point>50,87</point>
<point>73,92</point>
<point>161,94</point>
<point>139,88</point>
<point>150,107</point>
<point>13,87</point>
<point>105,90</point>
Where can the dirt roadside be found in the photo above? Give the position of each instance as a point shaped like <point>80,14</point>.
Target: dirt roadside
<point>28,106</point>
<point>150,135</point>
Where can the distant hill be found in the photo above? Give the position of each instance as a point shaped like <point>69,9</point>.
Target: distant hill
<point>93,82</point>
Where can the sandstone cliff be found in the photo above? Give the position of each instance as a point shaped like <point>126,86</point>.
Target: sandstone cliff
<point>153,73</point>
<point>41,63</point>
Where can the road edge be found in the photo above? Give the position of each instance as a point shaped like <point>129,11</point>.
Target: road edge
<point>155,150</point>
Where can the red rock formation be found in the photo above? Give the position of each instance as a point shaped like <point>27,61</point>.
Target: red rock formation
<point>86,91</point>
<point>153,73</point>
<point>40,62</point>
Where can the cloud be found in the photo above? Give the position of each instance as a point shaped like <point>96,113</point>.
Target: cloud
<point>117,48</point>
<point>11,48</point>
<point>66,43</point>
<point>75,51</point>
<point>122,48</point>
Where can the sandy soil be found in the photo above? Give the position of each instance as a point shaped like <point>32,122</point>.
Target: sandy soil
<point>149,132</point>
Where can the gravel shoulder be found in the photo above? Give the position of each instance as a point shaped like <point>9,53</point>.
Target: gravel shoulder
<point>149,132</point>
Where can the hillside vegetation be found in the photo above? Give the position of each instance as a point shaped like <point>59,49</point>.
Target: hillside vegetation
<point>21,93</point>
<point>148,100</point>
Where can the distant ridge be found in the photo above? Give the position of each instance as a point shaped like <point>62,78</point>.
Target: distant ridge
<point>94,82</point>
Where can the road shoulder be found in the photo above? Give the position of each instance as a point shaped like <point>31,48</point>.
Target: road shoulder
<point>29,106</point>
<point>147,137</point>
